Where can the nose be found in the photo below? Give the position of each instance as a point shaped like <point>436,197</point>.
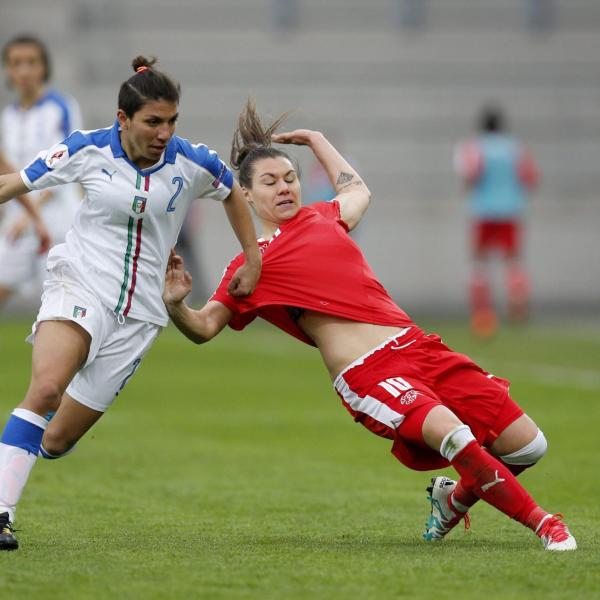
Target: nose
<point>164,133</point>
<point>282,186</point>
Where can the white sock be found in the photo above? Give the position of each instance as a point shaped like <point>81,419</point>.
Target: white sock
<point>15,466</point>
<point>19,448</point>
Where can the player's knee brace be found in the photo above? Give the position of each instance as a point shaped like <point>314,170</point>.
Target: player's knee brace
<point>529,454</point>
<point>48,455</point>
<point>455,441</point>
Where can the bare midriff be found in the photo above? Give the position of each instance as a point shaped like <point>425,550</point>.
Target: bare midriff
<point>341,341</point>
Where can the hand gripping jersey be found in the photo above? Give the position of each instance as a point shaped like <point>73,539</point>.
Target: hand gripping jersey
<point>24,133</point>
<point>312,263</point>
<point>130,218</point>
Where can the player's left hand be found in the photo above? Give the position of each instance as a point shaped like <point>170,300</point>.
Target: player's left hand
<point>244,280</point>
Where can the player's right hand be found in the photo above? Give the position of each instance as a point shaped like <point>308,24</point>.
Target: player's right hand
<point>298,137</point>
<point>178,282</point>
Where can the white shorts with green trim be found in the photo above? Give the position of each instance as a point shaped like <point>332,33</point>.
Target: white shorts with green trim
<point>116,348</point>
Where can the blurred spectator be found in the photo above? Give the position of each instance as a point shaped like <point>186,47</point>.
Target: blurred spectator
<point>498,172</point>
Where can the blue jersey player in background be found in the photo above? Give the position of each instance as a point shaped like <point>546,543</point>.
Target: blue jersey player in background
<point>499,173</point>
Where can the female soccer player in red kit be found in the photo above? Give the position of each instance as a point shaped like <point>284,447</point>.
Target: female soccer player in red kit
<point>437,406</point>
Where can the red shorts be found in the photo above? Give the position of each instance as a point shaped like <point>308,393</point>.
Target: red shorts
<point>411,374</point>
<point>502,235</point>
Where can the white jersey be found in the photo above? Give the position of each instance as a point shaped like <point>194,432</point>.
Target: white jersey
<point>24,133</point>
<point>129,218</point>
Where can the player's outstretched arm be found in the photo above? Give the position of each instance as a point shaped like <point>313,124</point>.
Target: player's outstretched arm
<point>352,193</point>
<point>244,280</point>
<point>197,325</point>
<point>12,186</point>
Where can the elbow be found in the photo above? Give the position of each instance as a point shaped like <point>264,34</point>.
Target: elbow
<point>204,333</point>
<point>366,200</point>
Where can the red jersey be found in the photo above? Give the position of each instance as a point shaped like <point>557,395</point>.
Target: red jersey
<point>312,263</point>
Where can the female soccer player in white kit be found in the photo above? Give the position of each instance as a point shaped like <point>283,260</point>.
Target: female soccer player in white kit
<point>102,307</point>
<point>39,118</point>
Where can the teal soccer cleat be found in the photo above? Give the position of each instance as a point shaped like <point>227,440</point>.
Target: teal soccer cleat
<point>442,518</point>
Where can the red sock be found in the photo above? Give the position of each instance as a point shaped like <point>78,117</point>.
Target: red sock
<point>466,498</point>
<point>489,479</point>
<point>479,291</point>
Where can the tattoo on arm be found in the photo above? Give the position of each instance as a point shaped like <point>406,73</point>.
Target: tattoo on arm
<point>343,187</point>
<point>344,178</point>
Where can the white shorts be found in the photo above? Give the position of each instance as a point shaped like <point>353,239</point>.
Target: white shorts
<point>116,350</point>
<point>20,262</point>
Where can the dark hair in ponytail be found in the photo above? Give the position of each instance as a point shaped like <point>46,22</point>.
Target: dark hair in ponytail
<point>252,142</point>
<point>146,85</point>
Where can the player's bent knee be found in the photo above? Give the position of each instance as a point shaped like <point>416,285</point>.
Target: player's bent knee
<point>528,454</point>
<point>456,441</point>
<point>55,445</point>
<point>46,395</point>
<point>437,424</point>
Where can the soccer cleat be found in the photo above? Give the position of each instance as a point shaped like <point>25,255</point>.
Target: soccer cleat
<point>8,541</point>
<point>484,323</point>
<point>555,535</point>
<point>442,518</point>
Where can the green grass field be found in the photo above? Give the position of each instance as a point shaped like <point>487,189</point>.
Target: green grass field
<point>231,471</point>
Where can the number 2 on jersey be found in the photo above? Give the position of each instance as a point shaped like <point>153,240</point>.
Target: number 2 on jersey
<point>179,182</point>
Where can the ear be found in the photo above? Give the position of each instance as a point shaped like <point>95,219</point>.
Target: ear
<point>247,195</point>
<point>123,119</point>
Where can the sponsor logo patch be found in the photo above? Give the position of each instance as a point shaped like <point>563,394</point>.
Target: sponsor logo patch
<point>57,156</point>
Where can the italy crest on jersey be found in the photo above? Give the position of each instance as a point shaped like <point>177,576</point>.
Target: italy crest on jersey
<point>79,312</point>
<point>139,205</point>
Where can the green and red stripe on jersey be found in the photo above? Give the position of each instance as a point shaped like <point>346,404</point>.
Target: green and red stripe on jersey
<point>130,264</point>
<point>145,179</point>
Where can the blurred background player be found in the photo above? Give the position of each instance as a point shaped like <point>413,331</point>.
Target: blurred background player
<point>38,119</point>
<point>499,172</point>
